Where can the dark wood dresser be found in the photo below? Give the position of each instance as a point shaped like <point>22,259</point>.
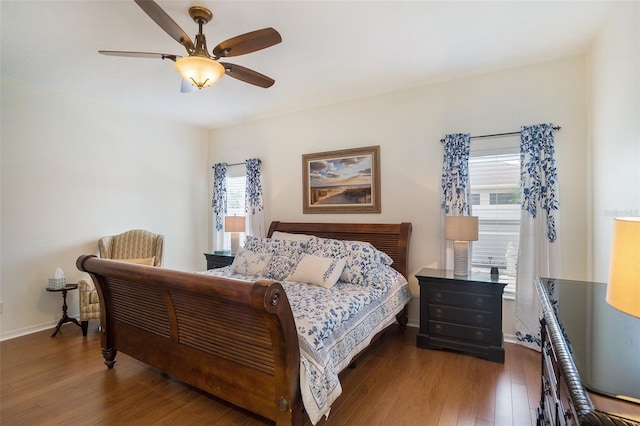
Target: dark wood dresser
<point>461,313</point>
<point>570,309</point>
<point>218,260</point>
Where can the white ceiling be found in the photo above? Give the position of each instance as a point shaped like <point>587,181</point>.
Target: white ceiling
<point>332,51</point>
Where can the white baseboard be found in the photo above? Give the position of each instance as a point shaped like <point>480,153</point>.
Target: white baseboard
<point>413,323</point>
<point>32,329</point>
<point>510,338</point>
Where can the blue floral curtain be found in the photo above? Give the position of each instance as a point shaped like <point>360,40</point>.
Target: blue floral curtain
<point>455,175</point>
<point>219,204</point>
<point>456,193</point>
<point>538,175</point>
<point>254,204</point>
<point>539,252</point>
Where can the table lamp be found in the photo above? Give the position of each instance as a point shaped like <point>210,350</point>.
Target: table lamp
<point>623,288</point>
<point>234,225</point>
<point>461,230</point>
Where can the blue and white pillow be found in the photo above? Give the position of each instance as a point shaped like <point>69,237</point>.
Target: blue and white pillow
<point>250,263</point>
<point>286,255</point>
<point>257,244</point>
<point>272,245</point>
<point>278,235</point>
<point>384,277</point>
<point>360,257</point>
<point>281,265</point>
<point>367,250</point>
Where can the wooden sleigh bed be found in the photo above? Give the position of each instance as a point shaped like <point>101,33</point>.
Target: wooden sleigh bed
<point>236,340</point>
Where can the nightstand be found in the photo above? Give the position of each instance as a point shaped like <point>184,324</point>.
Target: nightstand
<point>461,313</point>
<point>218,260</point>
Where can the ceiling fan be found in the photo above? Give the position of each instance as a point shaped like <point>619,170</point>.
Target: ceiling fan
<point>200,68</point>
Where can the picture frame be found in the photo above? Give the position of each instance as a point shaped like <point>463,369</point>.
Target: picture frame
<point>342,181</point>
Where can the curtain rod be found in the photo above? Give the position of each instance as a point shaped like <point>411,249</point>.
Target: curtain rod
<point>238,164</point>
<point>495,135</point>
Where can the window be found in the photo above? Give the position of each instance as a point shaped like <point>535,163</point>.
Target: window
<point>236,188</point>
<point>494,179</point>
<point>505,197</point>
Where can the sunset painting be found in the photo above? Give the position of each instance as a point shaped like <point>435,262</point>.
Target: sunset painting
<point>342,180</point>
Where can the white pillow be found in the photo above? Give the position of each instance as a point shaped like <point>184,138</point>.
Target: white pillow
<point>316,270</point>
<point>249,263</point>
<point>277,235</point>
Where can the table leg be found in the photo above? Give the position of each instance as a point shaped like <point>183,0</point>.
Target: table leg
<point>65,318</point>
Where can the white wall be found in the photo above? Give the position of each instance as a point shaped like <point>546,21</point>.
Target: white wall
<point>73,171</point>
<point>614,98</point>
<point>408,127</point>
<point>614,81</point>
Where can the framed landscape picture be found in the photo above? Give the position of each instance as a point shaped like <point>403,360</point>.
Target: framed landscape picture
<point>344,181</point>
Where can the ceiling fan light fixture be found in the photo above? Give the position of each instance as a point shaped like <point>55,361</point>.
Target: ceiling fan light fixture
<point>199,70</point>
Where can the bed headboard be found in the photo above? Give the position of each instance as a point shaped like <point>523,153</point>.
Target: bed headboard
<point>391,238</point>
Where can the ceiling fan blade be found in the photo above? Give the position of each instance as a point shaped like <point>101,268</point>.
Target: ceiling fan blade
<point>187,87</point>
<point>247,75</point>
<point>247,43</point>
<point>140,54</point>
<point>165,22</point>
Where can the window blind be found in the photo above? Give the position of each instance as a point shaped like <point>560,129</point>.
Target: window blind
<point>494,180</point>
<point>236,189</point>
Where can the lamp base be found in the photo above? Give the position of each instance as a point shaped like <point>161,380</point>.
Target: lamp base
<point>461,258</point>
<point>235,242</point>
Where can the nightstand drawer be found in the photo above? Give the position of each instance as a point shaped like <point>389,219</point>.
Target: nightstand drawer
<point>218,260</point>
<point>465,300</point>
<point>460,315</point>
<point>472,334</point>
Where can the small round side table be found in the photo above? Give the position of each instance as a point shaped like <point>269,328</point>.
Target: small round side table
<point>65,319</point>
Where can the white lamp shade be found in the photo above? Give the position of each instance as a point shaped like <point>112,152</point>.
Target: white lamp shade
<point>623,288</point>
<point>234,223</point>
<point>461,228</point>
<point>200,71</point>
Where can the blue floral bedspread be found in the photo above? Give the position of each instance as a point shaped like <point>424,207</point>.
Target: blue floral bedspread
<point>333,326</point>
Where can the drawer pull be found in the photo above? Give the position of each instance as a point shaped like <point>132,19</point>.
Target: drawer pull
<point>437,313</point>
<point>479,318</point>
<point>479,302</point>
<point>437,297</point>
<point>479,335</point>
<point>437,328</point>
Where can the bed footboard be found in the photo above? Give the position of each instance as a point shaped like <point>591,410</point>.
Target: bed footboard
<point>235,340</point>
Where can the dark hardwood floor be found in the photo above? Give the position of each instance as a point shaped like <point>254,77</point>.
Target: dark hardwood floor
<point>63,380</point>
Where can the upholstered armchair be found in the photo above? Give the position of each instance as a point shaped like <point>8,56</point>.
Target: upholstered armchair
<point>136,246</point>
